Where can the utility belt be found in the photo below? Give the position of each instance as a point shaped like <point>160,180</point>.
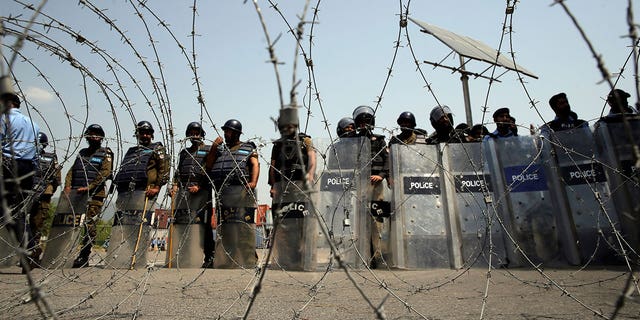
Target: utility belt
<point>229,214</point>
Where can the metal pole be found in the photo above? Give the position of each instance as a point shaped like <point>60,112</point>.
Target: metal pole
<point>465,91</point>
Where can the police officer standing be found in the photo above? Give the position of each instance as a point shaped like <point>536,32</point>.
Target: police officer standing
<point>408,132</point>
<point>192,187</point>
<point>365,121</point>
<point>346,128</point>
<point>234,168</point>
<point>293,164</point>
<point>143,171</point>
<point>504,125</point>
<point>18,136</point>
<point>91,169</point>
<point>46,180</point>
<point>565,119</point>
<point>442,121</point>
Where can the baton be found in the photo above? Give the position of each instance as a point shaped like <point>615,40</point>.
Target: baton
<point>171,214</point>
<point>135,250</point>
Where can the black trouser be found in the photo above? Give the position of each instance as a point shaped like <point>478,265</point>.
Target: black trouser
<point>209,243</point>
<point>18,181</point>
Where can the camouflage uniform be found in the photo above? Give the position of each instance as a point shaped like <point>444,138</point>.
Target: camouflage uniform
<point>191,172</point>
<point>236,243</point>
<point>46,182</point>
<point>91,170</point>
<point>294,240</point>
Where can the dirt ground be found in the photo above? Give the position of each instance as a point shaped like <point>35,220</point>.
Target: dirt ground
<point>160,293</point>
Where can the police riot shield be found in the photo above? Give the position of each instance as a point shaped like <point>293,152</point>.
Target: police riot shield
<point>522,201</point>
<point>294,246</point>
<point>581,198</point>
<point>130,234</point>
<point>186,233</point>
<point>62,245</point>
<point>343,201</point>
<point>615,148</point>
<point>236,230</point>
<point>468,185</point>
<point>420,228</point>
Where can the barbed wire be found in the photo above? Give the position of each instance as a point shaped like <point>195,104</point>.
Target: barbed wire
<point>373,285</point>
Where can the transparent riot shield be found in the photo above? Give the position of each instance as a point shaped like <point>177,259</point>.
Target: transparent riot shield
<point>62,245</point>
<point>294,246</point>
<point>236,230</point>
<point>523,202</point>
<point>615,148</point>
<point>581,198</point>
<point>421,234</point>
<point>130,234</point>
<point>343,203</point>
<point>186,234</point>
<point>468,185</point>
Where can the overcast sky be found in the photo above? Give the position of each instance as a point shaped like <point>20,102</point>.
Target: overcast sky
<point>352,51</point>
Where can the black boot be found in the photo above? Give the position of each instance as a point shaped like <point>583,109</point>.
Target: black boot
<point>208,263</point>
<point>82,261</point>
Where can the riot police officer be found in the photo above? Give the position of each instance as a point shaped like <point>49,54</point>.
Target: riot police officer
<point>88,175</point>
<point>233,166</point>
<point>192,188</point>
<point>409,134</point>
<point>45,182</point>
<point>365,121</point>
<point>293,163</point>
<point>442,121</point>
<point>346,128</point>
<point>143,171</point>
<point>287,164</point>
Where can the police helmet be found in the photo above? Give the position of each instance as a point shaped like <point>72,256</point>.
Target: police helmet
<point>344,123</point>
<point>364,114</point>
<point>144,126</point>
<point>194,126</point>
<point>94,130</point>
<point>407,116</point>
<point>233,125</point>
<point>43,139</point>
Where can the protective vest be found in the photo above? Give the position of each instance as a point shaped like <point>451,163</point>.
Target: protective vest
<point>378,154</point>
<point>46,172</point>
<point>231,166</point>
<point>191,166</point>
<point>87,167</point>
<point>287,161</point>
<point>133,170</point>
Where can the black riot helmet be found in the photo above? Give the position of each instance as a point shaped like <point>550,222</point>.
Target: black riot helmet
<point>194,126</point>
<point>364,114</point>
<point>343,124</point>
<point>94,130</point>
<point>409,117</point>
<point>144,126</point>
<point>233,125</point>
<point>43,140</point>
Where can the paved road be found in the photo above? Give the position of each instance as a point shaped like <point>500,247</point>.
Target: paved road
<point>159,293</point>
